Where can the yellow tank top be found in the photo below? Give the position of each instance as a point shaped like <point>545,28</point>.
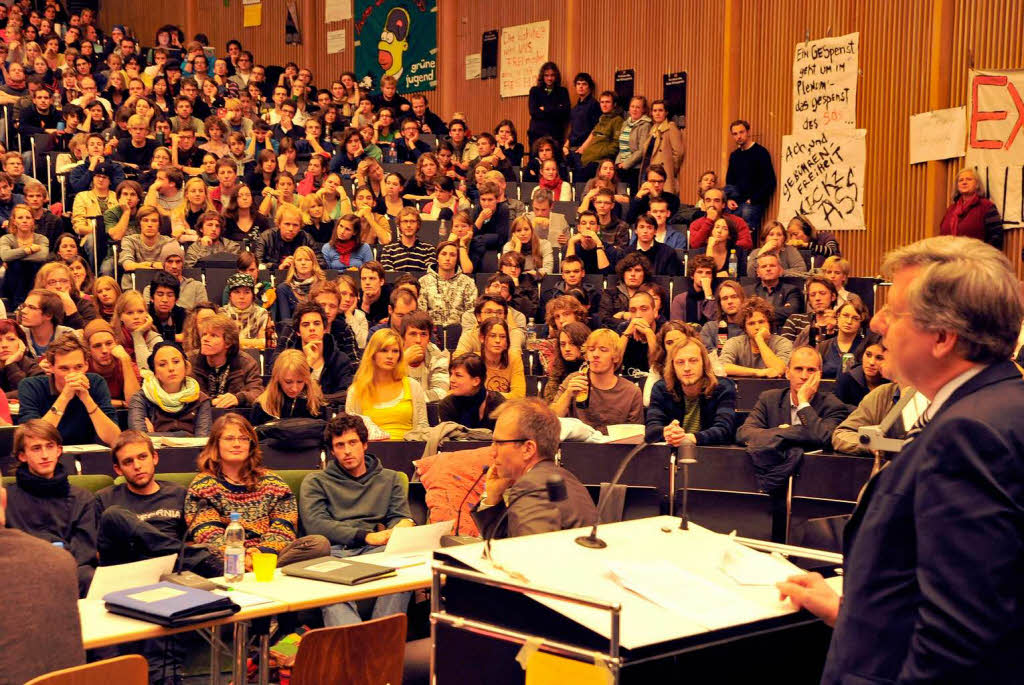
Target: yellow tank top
<point>394,416</point>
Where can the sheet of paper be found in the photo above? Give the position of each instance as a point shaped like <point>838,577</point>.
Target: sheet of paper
<point>252,15</point>
<point>75,449</point>
<point>940,134</point>
<point>243,599</point>
<point>417,538</point>
<point>400,560</point>
<point>335,41</point>
<point>682,592</point>
<point>337,10</point>
<point>109,579</point>
<point>750,567</point>
<point>473,66</point>
<point>157,594</point>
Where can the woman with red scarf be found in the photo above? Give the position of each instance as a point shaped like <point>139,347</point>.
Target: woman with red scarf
<point>346,251</point>
<point>972,214</point>
<point>550,179</point>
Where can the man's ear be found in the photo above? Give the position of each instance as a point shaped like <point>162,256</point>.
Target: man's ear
<point>945,343</point>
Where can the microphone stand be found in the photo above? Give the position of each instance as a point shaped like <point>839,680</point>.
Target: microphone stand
<point>687,455</point>
<point>592,541</point>
<point>554,487</point>
<point>455,539</point>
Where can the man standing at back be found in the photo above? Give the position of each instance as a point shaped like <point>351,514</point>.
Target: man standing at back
<point>524,445</point>
<point>933,553</point>
<point>25,561</point>
<point>751,174</point>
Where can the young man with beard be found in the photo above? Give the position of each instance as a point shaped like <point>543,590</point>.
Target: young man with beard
<point>45,505</point>
<point>408,253</point>
<point>640,339</point>
<point>690,404</point>
<point>355,503</point>
<point>757,352</point>
<point>610,399</point>
<point>275,246</point>
<point>143,517</point>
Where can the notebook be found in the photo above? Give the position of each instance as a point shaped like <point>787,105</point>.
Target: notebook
<point>169,605</point>
<point>337,570</point>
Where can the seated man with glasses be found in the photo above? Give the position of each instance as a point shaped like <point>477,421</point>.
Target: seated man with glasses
<point>525,441</point>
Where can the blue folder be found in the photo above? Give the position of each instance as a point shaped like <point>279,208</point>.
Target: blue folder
<point>169,605</point>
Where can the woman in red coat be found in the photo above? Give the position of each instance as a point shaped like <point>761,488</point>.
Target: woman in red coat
<point>972,214</point>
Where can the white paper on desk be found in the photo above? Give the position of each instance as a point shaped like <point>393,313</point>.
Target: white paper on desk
<point>243,599</point>
<point>178,441</point>
<point>750,567</point>
<point>682,592</point>
<point>75,449</point>
<point>109,579</point>
<point>417,538</point>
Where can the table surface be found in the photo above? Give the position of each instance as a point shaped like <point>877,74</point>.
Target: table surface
<point>101,628</point>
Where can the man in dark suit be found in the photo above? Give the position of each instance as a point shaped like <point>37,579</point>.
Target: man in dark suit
<point>785,298</point>
<point>525,441</point>
<point>933,553</point>
<point>798,405</point>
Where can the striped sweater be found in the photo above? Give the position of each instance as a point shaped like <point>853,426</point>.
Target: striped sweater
<point>269,512</point>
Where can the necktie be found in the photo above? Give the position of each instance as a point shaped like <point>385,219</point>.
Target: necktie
<point>918,426</point>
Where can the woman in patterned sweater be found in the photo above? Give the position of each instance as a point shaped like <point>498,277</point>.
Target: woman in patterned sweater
<point>232,478</point>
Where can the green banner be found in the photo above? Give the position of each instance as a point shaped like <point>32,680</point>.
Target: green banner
<point>397,38</point>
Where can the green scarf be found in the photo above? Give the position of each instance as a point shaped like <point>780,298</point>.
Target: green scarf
<point>171,403</point>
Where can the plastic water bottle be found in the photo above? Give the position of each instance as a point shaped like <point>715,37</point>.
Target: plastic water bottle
<point>234,550</point>
<point>733,265</point>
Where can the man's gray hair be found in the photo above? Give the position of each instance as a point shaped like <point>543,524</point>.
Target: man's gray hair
<point>534,421</point>
<point>766,255</point>
<point>966,287</point>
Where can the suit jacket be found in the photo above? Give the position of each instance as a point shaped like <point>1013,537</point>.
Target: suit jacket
<point>774,408</point>
<point>785,298</point>
<point>534,513</point>
<point>934,553</point>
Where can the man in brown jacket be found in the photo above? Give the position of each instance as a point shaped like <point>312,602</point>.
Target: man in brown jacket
<point>229,376</point>
<point>524,444</point>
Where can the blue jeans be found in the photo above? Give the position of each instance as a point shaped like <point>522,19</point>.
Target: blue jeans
<point>346,613</point>
<point>751,214</point>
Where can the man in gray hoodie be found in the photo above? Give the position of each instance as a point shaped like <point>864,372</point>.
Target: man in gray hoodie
<point>355,503</point>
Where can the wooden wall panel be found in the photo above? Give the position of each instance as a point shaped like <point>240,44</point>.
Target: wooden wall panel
<point>603,24</point>
<point>892,86</point>
<point>988,34</point>
<point>480,100</point>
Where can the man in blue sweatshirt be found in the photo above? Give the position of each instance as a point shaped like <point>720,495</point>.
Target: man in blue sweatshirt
<point>355,503</point>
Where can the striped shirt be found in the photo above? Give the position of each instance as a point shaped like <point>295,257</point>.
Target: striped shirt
<point>397,257</point>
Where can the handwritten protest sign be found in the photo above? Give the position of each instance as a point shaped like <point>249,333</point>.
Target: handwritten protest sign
<point>995,141</point>
<point>825,83</point>
<point>524,49</point>
<point>823,178</point>
<point>939,134</point>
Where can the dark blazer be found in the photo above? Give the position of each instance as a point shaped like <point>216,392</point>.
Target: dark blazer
<point>534,513</point>
<point>785,298</point>
<point>934,554</point>
<point>774,408</point>
<point>717,413</point>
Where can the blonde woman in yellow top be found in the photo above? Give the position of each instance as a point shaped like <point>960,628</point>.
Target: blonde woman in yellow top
<point>383,391</point>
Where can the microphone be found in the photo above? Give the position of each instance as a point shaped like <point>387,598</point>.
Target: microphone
<point>592,541</point>
<point>455,539</point>
<point>556,491</point>
<point>687,455</point>
<point>187,578</point>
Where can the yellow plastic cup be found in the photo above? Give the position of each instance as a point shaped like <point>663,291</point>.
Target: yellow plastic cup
<point>263,565</point>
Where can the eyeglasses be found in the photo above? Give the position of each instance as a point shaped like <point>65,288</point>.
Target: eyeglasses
<point>239,439</point>
<point>496,441</point>
<point>31,307</point>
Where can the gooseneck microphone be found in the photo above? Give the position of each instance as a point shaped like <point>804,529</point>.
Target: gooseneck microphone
<point>592,541</point>
<point>456,539</point>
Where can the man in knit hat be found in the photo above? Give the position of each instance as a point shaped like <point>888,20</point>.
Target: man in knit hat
<point>192,291</point>
<point>109,359</point>
<point>253,321</point>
